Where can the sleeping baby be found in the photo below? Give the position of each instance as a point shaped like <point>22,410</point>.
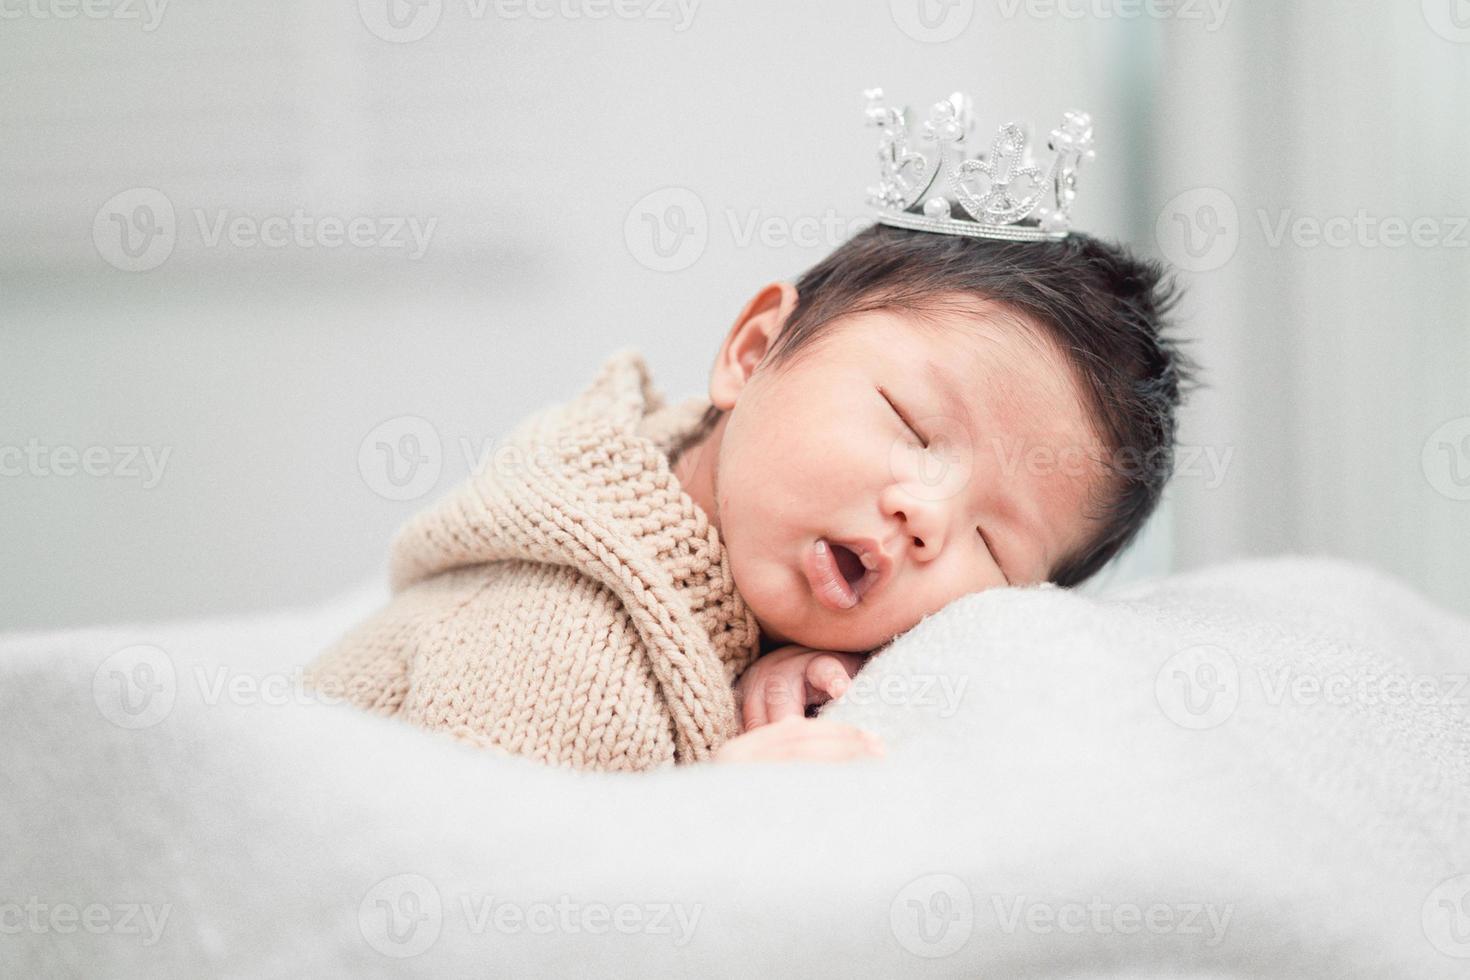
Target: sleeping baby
<point>631,583</point>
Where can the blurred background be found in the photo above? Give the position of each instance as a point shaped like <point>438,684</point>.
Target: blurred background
<point>274,275</point>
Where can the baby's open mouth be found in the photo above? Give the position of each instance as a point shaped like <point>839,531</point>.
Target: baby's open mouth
<point>848,563</point>
<point>841,574</point>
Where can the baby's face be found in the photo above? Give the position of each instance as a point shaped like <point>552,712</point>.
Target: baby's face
<point>989,487</point>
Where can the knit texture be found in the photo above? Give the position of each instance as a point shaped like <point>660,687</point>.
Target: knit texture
<point>569,602</point>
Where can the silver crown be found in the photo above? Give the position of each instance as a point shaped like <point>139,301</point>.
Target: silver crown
<point>1002,194</point>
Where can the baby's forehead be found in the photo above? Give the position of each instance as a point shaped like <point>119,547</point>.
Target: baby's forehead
<point>995,356</point>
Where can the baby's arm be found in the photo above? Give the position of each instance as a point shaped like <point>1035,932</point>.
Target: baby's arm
<point>370,666</point>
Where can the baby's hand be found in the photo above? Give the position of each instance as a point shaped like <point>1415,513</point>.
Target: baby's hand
<point>784,682</point>
<point>801,740</point>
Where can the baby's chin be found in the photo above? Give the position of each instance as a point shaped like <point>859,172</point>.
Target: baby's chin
<point>819,629</point>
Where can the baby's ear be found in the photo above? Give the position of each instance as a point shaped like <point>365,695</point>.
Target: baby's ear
<point>750,339</point>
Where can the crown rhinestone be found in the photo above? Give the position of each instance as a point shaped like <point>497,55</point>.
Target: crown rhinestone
<point>999,194</point>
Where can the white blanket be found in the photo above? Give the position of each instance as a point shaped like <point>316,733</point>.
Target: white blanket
<point>1261,768</point>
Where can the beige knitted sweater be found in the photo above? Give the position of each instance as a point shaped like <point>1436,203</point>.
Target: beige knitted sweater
<point>568,602</point>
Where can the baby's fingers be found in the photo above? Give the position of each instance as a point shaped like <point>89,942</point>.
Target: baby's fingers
<point>783,695</point>
<point>814,738</point>
<point>752,708</point>
<point>800,739</point>
<point>828,675</point>
<point>833,749</point>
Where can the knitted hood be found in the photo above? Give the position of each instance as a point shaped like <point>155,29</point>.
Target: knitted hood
<point>588,484</point>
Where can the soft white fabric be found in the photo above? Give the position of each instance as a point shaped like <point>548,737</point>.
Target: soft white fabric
<point>1034,776</point>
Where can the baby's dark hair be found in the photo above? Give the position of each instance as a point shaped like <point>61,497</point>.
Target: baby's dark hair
<point>1106,310</point>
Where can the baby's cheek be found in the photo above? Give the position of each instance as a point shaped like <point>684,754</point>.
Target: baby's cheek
<point>766,584</point>
<point>914,604</point>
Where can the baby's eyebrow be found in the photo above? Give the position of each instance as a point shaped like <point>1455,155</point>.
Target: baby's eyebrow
<point>950,389</point>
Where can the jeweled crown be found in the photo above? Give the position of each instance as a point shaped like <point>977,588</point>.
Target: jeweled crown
<point>1000,194</point>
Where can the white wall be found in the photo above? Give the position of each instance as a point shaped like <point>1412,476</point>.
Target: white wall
<point>1340,361</point>
<point>529,142</point>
